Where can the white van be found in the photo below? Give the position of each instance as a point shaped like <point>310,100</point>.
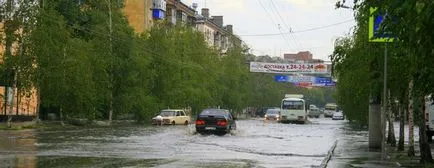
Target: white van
<point>329,109</point>
<point>293,109</point>
<point>429,117</point>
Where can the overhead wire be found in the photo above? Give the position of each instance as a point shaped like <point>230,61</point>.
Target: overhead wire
<point>273,5</point>
<point>300,31</point>
<point>271,18</point>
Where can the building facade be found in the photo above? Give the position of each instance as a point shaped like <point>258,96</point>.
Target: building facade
<point>139,14</point>
<point>178,12</point>
<point>215,32</point>
<point>300,56</point>
<point>142,14</point>
<point>22,104</point>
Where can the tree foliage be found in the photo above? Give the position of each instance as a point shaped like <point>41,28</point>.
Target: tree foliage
<point>85,60</point>
<point>358,63</point>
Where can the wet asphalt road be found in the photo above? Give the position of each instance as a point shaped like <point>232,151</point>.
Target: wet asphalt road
<point>253,144</point>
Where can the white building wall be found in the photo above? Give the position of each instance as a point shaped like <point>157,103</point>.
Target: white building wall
<point>208,33</point>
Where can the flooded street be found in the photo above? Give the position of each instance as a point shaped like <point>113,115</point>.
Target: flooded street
<point>253,144</point>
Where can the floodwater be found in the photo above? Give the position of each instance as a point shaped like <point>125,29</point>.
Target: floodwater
<point>253,144</point>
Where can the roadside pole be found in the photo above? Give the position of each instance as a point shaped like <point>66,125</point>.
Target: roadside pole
<point>383,115</point>
<point>375,35</point>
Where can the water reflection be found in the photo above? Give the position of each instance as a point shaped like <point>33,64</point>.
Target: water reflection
<point>18,149</point>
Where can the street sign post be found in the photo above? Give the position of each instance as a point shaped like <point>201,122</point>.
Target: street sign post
<point>375,35</point>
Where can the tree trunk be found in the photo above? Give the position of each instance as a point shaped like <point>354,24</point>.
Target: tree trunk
<point>5,107</point>
<point>402,112</point>
<point>425,150</point>
<point>109,4</point>
<point>391,134</point>
<point>9,31</point>
<point>375,137</point>
<point>410,120</point>
<point>61,117</point>
<point>110,111</point>
<point>11,106</point>
<point>38,104</point>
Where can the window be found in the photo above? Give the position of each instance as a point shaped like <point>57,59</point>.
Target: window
<point>213,112</point>
<point>178,113</point>
<point>167,113</point>
<point>272,111</point>
<point>330,108</point>
<point>182,113</point>
<point>293,105</point>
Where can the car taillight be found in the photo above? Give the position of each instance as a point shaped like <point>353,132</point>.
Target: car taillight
<point>222,122</point>
<point>200,122</point>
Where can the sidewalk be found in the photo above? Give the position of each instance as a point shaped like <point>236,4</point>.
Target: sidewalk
<point>353,151</point>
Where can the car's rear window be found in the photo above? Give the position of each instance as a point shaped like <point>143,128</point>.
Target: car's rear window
<point>214,112</point>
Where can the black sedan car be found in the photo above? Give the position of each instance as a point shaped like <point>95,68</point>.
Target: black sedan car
<point>215,121</point>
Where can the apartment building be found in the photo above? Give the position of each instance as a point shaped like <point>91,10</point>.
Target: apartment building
<point>215,32</point>
<point>142,14</point>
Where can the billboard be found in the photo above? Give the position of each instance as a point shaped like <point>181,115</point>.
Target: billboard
<point>289,68</point>
<point>306,81</point>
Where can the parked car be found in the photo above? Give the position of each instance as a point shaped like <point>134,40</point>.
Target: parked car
<point>314,112</point>
<point>272,114</point>
<point>171,117</point>
<point>338,116</point>
<point>215,121</point>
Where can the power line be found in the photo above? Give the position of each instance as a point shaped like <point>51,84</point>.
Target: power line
<point>300,31</point>
<point>271,18</point>
<point>284,23</point>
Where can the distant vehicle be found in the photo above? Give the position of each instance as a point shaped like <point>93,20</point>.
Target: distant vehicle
<point>329,109</point>
<point>321,110</point>
<point>272,114</point>
<point>338,116</point>
<point>429,117</point>
<point>261,111</point>
<point>293,109</point>
<point>216,121</point>
<point>312,106</point>
<point>314,112</point>
<point>171,117</point>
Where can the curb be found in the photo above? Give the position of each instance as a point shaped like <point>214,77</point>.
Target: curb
<point>329,155</point>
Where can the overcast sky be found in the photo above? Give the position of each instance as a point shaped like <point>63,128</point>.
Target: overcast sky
<point>262,17</point>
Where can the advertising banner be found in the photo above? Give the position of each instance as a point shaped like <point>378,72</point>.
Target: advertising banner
<point>280,78</point>
<point>290,68</point>
<point>306,81</point>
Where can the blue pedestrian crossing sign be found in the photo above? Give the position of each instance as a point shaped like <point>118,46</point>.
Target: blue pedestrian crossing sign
<point>375,35</point>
